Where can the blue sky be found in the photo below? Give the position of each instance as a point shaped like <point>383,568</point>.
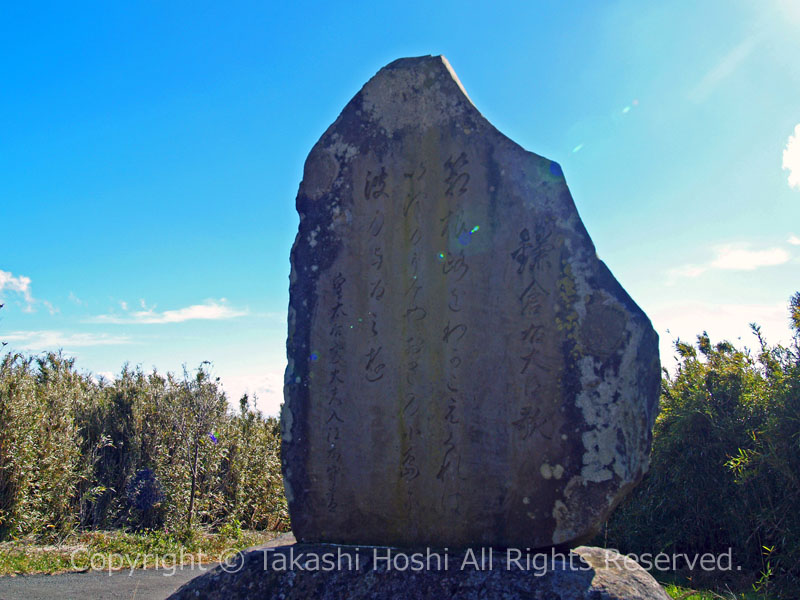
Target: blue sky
<point>150,155</point>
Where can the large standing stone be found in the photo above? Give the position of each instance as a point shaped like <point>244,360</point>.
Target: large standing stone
<point>462,368</point>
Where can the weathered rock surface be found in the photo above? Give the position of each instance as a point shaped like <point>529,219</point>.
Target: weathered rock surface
<point>303,571</point>
<point>463,369</point>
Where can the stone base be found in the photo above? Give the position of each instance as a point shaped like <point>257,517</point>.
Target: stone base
<point>325,571</point>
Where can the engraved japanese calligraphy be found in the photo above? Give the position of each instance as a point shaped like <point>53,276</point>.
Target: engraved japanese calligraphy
<point>462,368</point>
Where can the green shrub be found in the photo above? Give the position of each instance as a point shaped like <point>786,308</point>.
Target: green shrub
<point>144,451</point>
<point>39,455</point>
<point>725,465</point>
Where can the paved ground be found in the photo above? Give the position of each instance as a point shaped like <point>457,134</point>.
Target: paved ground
<point>141,584</point>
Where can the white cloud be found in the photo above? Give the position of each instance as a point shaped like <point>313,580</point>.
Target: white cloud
<point>76,300</point>
<point>742,258</point>
<point>53,340</point>
<point>733,257</point>
<point>721,321</point>
<point>794,240</point>
<point>107,376</point>
<point>267,387</point>
<point>210,310</point>
<point>791,158</point>
<point>687,271</point>
<point>20,285</point>
<point>50,308</point>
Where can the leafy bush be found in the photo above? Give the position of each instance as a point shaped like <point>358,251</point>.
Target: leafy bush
<point>140,452</point>
<point>39,455</point>
<point>725,466</point>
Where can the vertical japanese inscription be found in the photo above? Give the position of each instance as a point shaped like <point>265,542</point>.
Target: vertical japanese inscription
<point>445,302</point>
<point>335,380</point>
<point>532,266</point>
<point>532,260</point>
<point>454,269</point>
<point>375,190</point>
<point>413,314</point>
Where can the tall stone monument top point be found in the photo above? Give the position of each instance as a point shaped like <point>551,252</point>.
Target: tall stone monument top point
<point>434,98</point>
<point>462,369</point>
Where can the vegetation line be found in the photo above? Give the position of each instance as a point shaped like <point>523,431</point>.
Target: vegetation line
<point>164,463</point>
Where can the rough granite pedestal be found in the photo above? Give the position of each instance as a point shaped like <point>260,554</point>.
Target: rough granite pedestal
<point>330,572</point>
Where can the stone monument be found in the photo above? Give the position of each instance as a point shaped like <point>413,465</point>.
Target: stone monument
<point>463,369</point>
<point>464,373</point>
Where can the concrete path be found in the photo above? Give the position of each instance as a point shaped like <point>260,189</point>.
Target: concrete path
<point>139,584</point>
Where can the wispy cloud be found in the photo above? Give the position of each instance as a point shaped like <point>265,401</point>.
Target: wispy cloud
<point>76,300</point>
<point>794,240</point>
<point>19,284</point>
<point>213,310</point>
<point>722,322</point>
<point>723,69</point>
<point>107,376</point>
<point>733,257</point>
<point>687,271</point>
<point>265,388</point>
<point>49,340</point>
<point>742,258</point>
<point>791,158</point>
<point>50,308</point>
